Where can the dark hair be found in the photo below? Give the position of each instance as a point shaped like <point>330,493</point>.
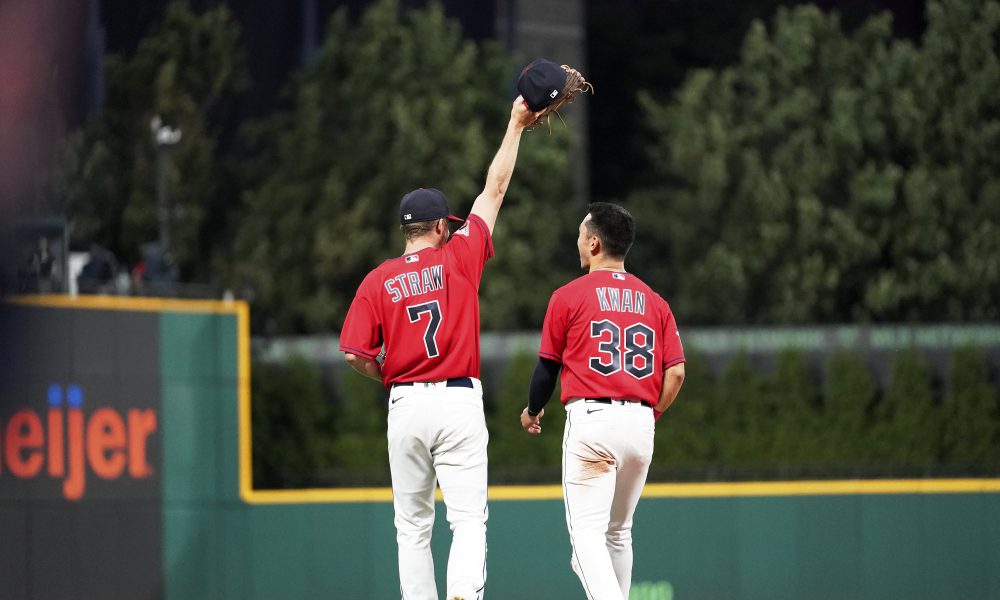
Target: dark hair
<point>614,226</point>
<point>415,230</point>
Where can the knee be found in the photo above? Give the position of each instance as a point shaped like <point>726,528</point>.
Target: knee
<point>467,523</point>
<point>619,537</point>
<point>414,529</point>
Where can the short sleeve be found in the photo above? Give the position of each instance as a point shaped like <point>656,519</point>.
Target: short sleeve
<point>471,246</point>
<point>673,350</point>
<point>554,330</point>
<point>362,332</point>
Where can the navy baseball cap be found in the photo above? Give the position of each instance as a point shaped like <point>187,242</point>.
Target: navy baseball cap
<point>540,83</point>
<point>424,204</point>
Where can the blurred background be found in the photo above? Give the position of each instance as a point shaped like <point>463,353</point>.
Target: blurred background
<point>817,188</point>
<point>817,192</point>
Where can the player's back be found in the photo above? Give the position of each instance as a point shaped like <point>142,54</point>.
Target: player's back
<point>619,337</point>
<point>423,306</point>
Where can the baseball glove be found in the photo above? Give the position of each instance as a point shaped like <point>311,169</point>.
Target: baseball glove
<point>546,87</point>
<point>575,83</point>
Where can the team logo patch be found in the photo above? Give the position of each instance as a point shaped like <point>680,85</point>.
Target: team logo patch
<point>463,230</point>
<point>620,276</point>
<point>554,94</point>
<point>412,258</point>
<point>407,217</point>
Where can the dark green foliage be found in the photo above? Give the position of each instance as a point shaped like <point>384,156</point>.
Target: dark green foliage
<point>292,424</point>
<point>795,423</point>
<point>742,413</point>
<point>360,446</point>
<point>831,176</point>
<point>393,102</point>
<point>907,423</point>
<point>685,434</point>
<point>849,392</point>
<point>971,412</point>
<point>743,423</point>
<point>188,71</point>
<point>514,454</point>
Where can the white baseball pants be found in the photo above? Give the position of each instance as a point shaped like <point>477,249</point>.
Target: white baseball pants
<point>607,449</point>
<point>437,434</point>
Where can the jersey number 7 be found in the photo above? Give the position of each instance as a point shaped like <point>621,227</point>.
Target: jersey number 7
<point>434,321</point>
<point>638,349</point>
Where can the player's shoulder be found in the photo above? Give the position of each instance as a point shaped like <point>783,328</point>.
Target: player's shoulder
<point>571,291</point>
<point>657,298</point>
<point>573,285</point>
<point>473,225</point>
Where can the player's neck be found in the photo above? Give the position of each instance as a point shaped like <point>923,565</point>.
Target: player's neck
<point>418,244</point>
<point>606,264</point>
<point>416,247</point>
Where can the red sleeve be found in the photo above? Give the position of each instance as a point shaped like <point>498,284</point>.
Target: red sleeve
<point>362,332</point>
<point>554,330</point>
<point>673,350</point>
<point>472,246</point>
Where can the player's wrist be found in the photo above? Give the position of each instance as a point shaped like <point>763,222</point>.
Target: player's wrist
<point>532,413</point>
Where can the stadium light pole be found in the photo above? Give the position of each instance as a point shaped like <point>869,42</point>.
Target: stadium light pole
<point>164,136</point>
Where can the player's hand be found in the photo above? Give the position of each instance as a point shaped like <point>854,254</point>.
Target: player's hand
<point>521,115</point>
<point>532,424</point>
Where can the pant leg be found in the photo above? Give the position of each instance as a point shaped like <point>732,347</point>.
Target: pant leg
<point>461,462</point>
<point>636,456</point>
<point>589,473</point>
<point>413,484</point>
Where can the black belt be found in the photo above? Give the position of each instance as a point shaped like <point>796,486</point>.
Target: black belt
<point>606,400</point>
<point>465,382</point>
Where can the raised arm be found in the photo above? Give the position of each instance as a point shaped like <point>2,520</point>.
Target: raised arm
<point>487,205</point>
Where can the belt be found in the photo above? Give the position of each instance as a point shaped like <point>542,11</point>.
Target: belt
<point>606,400</point>
<point>465,382</point>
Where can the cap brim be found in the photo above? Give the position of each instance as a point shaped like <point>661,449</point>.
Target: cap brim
<point>455,219</point>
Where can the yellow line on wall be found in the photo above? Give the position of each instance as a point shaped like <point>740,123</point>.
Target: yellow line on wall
<point>747,489</point>
<point>130,303</point>
<point>821,488</point>
<point>243,402</point>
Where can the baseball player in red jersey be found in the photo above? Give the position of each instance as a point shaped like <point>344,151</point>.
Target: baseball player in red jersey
<point>422,310</point>
<point>622,363</point>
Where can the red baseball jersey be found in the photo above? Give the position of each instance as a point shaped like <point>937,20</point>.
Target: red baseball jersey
<point>613,335</point>
<point>423,307</point>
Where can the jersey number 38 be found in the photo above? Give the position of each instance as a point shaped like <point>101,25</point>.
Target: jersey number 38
<point>633,347</point>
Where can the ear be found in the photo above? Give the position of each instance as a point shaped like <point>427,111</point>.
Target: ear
<point>595,245</point>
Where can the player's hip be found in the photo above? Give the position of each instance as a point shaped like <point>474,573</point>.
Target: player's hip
<point>437,396</point>
<point>619,427</point>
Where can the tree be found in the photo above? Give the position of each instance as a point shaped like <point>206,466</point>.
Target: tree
<point>908,431</point>
<point>516,456</point>
<point>187,72</point>
<point>972,413</point>
<point>359,443</point>
<point>292,423</point>
<point>795,427</point>
<point>831,176</point>
<point>848,394</point>
<point>685,436</point>
<point>742,415</point>
<point>393,102</point>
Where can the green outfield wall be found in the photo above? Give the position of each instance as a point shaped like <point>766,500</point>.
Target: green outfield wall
<point>154,396</point>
